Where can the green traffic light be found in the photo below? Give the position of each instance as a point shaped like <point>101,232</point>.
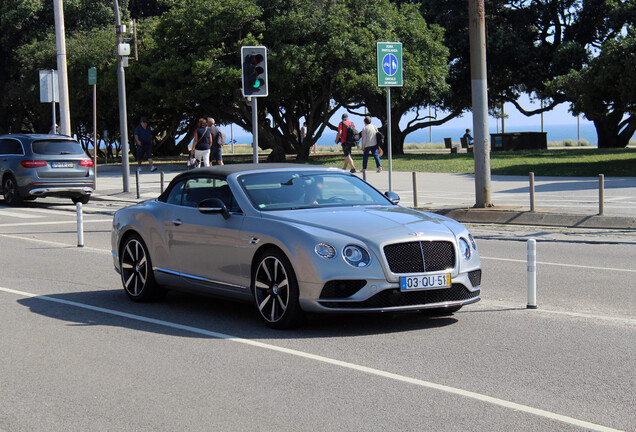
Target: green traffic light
<point>257,83</point>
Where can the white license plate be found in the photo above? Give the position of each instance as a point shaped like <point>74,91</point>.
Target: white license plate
<point>61,164</point>
<point>424,282</point>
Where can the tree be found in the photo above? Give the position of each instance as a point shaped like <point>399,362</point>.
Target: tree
<point>605,91</point>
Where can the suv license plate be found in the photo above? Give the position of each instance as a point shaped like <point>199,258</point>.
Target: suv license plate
<point>425,282</point>
<point>61,164</point>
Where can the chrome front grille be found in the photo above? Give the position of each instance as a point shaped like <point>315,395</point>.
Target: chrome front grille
<point>420,256</point>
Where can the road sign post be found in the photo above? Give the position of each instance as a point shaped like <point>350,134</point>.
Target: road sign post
<point>389,57</point>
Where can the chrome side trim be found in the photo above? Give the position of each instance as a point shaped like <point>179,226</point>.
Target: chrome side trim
<point>197,278</point>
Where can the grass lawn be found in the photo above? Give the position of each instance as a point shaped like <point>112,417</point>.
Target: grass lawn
<point>575,162</point>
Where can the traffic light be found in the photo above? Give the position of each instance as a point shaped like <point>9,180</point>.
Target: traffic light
<point>254,66</point>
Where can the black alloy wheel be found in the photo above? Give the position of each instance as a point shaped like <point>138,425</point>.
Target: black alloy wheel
<point>136,271</point>
<point>276,291</point>
<point>10,189</point>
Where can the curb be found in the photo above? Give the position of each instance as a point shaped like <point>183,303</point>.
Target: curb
<point>508,217</point>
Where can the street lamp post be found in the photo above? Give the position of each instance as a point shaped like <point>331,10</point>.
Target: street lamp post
<point>123,122</point>
<point>60,42</point>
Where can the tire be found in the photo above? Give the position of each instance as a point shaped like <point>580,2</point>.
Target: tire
<point>440,312</point>
<point>82,199</point>
<point>275,290</point>
<point>136,271</point>
<point>10,189</point>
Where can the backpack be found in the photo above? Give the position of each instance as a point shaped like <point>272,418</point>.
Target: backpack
<point>220,137</point>
<point>379,139</point>
<point>352,136</point>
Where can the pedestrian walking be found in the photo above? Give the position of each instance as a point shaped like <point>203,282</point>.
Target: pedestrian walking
<point>346,132</point>
<point>216,149</point>
<point>202,143</point>
<point>143,139</point>
<point>369,143</point>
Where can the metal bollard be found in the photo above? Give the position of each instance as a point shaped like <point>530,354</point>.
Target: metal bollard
<point>364,175</point>
<point>601,194</point>
<point>80,225</point>
<point>414,189</point>
<point>161,181</point>
<point>137,182</point>
<point>532,274</point>
<point>532,207</point>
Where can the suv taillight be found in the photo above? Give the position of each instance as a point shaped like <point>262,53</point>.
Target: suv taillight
<point>33,163</point>
<point>86,163</point>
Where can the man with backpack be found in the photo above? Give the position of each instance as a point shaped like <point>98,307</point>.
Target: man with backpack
<point>347,136</point>
<point>218,139</point>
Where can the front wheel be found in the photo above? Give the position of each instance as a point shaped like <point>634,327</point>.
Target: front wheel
<point>10,189</point>
<point>136,271</point>
<point>275,291</point>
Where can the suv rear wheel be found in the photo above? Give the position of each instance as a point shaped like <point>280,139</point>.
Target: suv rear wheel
<point>10,189</point>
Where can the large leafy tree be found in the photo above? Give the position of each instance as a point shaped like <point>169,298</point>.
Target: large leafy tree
<point>602,88</point>
<point>424,66</point>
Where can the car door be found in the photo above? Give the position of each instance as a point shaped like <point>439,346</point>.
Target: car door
<point>11,153</point>
<point>210,250</point>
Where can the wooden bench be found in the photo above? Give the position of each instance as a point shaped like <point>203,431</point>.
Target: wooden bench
<point>468,147</point>
<point>448,142</point>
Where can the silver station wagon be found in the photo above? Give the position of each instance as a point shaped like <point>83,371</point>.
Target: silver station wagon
<point>36,166</point>
<point>293,239</point>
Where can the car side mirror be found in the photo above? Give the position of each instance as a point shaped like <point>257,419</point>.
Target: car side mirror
<point>392,196</point>
<point>213,206</point>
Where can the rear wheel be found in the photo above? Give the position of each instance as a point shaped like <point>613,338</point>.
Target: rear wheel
<point>136,271</point>
<point>10,189</point>
<point>275,291</point>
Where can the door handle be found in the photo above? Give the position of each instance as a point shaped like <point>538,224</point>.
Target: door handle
<point>177,222</point>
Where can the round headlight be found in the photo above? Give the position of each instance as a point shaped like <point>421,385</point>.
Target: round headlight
<point>464,249</point>
<point>472,241</point>
<point>325,250</point>
<point>356,256</point>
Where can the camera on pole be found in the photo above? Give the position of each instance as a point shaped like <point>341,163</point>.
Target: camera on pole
<point>254,67</point>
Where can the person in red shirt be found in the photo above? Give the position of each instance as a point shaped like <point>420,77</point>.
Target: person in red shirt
<point>341,138</point>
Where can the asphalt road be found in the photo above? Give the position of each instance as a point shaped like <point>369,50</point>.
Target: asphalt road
<point>78,355</point>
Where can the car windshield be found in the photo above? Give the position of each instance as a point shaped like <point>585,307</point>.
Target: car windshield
<point>56,147</point>
<point>294,190</point>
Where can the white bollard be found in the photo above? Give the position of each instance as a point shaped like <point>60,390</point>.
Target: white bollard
<point>161,181</point>
<point>137,182</point>
<point>532,274</point>
<point>80,225</point>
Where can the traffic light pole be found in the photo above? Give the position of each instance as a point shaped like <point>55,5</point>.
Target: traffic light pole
<point>255,128</point>
<point>123,121</point>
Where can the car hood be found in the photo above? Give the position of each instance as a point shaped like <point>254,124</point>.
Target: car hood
<point>376,224</point>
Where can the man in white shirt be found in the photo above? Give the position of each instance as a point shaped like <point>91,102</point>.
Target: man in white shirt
<point>370,144</point>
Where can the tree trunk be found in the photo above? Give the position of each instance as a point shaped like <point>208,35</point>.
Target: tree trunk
<point>609,133</point>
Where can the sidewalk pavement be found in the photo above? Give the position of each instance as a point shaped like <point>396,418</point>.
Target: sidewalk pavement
<point>571,202</point>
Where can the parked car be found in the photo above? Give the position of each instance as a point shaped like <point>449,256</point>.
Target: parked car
<point>34,166</point>
<point>293,239</point>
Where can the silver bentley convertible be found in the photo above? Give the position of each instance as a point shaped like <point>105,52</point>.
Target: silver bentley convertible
<point>294,239</point>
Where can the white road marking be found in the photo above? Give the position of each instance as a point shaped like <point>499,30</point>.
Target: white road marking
<point>561,264</point>
<point>18,215</point>
<point>74,221</point>
<point>61,245</point>
<point>343,364</point>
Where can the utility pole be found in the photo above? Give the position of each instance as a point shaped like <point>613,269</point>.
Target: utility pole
<point>123,121</point>
<point>479,86</point>
<point>60,42</point>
